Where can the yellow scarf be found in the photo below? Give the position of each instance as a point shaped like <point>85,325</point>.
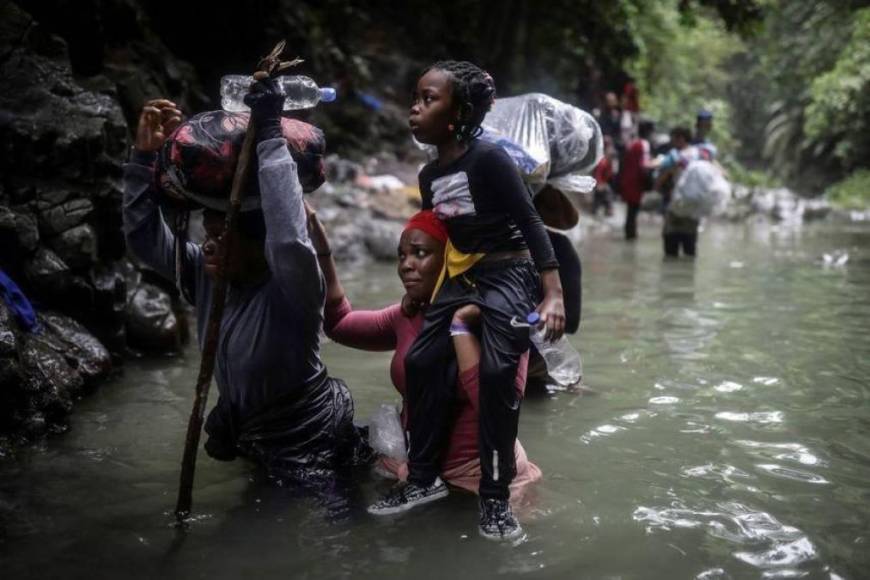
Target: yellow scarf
<point>455,263</point>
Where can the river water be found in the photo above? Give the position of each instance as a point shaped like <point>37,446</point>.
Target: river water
<point>728,437</point>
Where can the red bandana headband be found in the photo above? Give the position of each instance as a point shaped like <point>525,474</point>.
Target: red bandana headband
<point>426,221</point>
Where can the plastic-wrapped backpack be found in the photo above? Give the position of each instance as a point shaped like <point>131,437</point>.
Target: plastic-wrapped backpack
<point>700,188</point>
<point>550,141</point>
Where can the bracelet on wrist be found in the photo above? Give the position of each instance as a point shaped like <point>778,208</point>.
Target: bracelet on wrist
<point>325,254</point>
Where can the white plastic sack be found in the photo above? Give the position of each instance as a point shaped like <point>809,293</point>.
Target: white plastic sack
<point>386,435</point>
<point>550,141</point>
<point>559,140</point>
<point>700,188</point>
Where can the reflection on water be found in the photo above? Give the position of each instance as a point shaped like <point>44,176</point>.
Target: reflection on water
<point>729,437</point>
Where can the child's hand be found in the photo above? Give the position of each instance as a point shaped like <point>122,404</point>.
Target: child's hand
<point>552,311</point>
<point>159,118</point>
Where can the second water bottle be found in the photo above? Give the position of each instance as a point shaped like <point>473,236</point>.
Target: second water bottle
<point>563,361</point>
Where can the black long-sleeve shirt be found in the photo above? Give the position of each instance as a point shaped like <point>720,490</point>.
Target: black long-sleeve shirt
<point>482,199</point>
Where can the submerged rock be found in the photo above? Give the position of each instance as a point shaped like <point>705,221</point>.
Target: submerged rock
<point>151,321</point>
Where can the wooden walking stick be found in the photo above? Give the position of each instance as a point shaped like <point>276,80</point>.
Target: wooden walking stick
<point>268,65</point>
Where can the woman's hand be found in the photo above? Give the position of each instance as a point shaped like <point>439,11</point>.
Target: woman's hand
<point>159,118</point>
<point>316,232</point>
<point>552,308</point>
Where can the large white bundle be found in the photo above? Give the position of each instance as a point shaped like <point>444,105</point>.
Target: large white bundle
<point>551,141</point>
<point>700,188</point>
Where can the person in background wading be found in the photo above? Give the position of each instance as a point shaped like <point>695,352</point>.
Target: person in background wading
<point>634,177</point>
<point>475,188</point>
<point>276,404</point>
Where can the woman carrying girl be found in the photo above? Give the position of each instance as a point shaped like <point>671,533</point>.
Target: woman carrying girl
<point>499,259</point>
<point>420,258</point>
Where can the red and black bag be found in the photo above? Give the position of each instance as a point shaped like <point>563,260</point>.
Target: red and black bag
<point>197,162</point>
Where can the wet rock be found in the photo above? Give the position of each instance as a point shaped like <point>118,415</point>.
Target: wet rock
<point>340,170</point>
<point>50,382</point>
<point>151,322</point>
<point>47,273</point>
<point>10,369</point>
<point>18,231</point>
<point>815,209</point>
<point>347,244</point>
<point>76,246</point>
<point>110,306</point>
<point>83,352</point>
<point>56,220</point>
<point>381,238</point>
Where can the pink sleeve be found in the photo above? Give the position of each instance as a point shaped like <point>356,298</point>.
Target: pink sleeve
<point>362,329</point>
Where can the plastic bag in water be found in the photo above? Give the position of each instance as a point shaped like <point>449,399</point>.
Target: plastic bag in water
<point>386,435</point>
<point>700,188</point>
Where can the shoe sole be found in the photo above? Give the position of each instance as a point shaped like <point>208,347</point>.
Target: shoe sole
<point>493,538</point>
<point>405,507</point>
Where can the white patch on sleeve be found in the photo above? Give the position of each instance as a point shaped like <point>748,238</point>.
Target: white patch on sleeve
<point>451,196</point>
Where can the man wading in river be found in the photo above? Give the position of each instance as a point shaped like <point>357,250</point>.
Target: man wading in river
<point>277,405</point>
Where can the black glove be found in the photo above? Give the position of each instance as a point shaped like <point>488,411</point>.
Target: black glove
<point>266,101</point>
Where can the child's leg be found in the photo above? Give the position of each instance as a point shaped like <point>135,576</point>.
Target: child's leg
<point>465,343</point>
<point>505,293</point>
<point>430,371</point>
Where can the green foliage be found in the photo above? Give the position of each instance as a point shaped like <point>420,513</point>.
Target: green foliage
<point>839,109</point>
<point>738,173</point>
<point>852,192</point>
<point>681,68</point>
<point>798,43</point>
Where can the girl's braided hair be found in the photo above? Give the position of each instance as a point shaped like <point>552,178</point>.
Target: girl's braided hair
<point>474,92</point>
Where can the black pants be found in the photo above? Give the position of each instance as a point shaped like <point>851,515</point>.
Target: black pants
<point>601,198</point>
<point>631,211</point>
<point>675,240</point>
<point>501,290</point>
<point>679,232</point>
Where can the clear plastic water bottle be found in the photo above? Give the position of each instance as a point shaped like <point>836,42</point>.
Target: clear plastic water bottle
<point>563,361</point>
<point>300,92</point>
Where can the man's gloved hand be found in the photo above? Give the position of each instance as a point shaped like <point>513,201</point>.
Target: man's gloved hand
<point>266,102</point>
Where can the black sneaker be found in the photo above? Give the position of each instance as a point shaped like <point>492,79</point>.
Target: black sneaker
<point>497,521</point>
<point>404,496</point>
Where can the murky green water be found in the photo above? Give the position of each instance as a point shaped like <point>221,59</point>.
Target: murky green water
<point>730,438</point>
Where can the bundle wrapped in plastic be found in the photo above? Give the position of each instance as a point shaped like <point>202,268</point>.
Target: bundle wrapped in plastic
<point>550,141</point>
<point>700,188</point>
<point>386,435</point>
<point>197,162</point>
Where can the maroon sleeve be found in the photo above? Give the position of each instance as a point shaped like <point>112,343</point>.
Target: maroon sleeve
<point>363,329</point>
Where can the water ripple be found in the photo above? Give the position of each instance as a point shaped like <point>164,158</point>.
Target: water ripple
<point>794,452</point>
<point>793,474</point>
<point>767,544</point>
<point>761,417</point>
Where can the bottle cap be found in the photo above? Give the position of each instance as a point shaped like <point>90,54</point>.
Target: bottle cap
<point>533,318</point>
<point>327,94</point>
